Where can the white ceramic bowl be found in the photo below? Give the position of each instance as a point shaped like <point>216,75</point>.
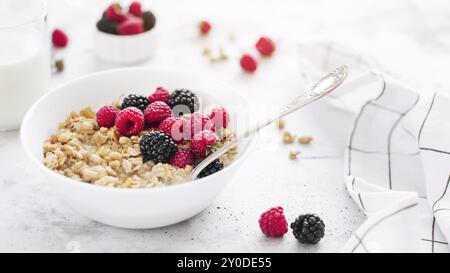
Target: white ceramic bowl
<point>131,208</point>
<point>125,49</point>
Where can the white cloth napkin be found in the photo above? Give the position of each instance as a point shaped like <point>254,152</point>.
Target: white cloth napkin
<point>397,165</point>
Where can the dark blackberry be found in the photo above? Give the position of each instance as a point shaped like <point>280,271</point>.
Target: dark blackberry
<point>107,26</point>
<point>308,229</point>
<point>157,146</point>
<point>184,102</point>
<point>149,20</point>
<point>213,167</point>
<point>137,101</point>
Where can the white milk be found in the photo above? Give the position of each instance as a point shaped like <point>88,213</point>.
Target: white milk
<point>24,73</point>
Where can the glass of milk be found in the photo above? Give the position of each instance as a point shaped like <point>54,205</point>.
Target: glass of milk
<point>24,58</point>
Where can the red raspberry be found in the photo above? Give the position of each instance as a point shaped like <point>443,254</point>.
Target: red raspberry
<point>248,63</point>
<point>135,9</point>
<point>265,46</point>
<point>106,116</point>
<point>59,38</point>
<point>114,13</point>
<point>196,123</point>
<point>182,157</point>
<point>204,27</point>
<point>220,117</point>
<point>160,94</point>
<point>132,25</point>
<point>130,121</point>
<point>156,112</point>
<point>202,141</point>
<point>273,222</point>
<point>173,126</point>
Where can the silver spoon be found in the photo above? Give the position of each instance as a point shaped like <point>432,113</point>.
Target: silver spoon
<point>322,88</point>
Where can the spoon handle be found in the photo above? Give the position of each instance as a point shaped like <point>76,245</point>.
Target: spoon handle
<point>322,88</point>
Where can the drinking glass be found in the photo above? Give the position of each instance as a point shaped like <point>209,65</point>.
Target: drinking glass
<point>24,58</point>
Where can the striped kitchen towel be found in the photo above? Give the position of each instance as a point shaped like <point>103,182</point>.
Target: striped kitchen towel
<point>397,165</point>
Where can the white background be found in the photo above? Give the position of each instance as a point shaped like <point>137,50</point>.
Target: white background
<point>410,39</point>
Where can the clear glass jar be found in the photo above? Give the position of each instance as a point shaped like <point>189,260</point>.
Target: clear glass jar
<point>24,58</point>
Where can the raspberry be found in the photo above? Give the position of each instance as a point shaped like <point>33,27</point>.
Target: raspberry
<point>265,46</point>
<point>106,116</point>
<point>248,63</point>
<point>59,38</point>
<point>131,26</point>
<point>220,117</point>
<point>130,121</point>
<point>160,94</point>
<point>273,222</point>
<point>173,126</point>
<point>135,9</point>
<point>204,27</point>
<point>202,141</point>
<point>196,123</point>
<point>156,112</point>
<point>182,157</point>
<point>114,13</point>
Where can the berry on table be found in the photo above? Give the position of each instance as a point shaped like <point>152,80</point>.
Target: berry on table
<point>248,63</point>
<point>213,167</point>
<point>220,117</point>
<point>137,101</point>
<point>183,101</point>
<point>182,158</point>
<point>173,126</point>
<point>308,229</point>
<point>160,94</point>
<point>158,147</point>
<point>265,46</point>
<point>204,27</point>
<point>106,116</point>
<point>202,141</point>
<point>149,20</point>
<point>135,9</point>
<point>273,222</point>
<point>198,122</point>
<point>59,38</point>
<point>156,112</point>
<point>114,13</point>
<point>130,121</point>
<point>131,26</point>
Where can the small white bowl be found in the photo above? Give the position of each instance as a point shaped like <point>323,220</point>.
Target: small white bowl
<point>131,208</point>
<point>125,49</point>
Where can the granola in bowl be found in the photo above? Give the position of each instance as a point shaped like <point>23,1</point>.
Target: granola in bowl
<point>138,142</point>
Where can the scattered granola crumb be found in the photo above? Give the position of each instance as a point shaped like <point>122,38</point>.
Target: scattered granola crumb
<point>293,155</point>
<point>59,64</point>
<point>305,139</point>
<point>206,51</point>
<point>280,124</point>
<point>288,138</point>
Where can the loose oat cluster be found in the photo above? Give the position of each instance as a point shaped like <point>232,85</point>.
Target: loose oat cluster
<point>82,150</point>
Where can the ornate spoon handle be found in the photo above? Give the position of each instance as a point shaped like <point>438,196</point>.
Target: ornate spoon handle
<point>322,88</point>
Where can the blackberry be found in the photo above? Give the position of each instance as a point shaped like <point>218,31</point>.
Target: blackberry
<point>107,26</point>
<point>308,229</point>
<point>185,102</point>
<point>157,146</point>
<point>213,167</point>
<point>137,101</point>
<point>149,20</point>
